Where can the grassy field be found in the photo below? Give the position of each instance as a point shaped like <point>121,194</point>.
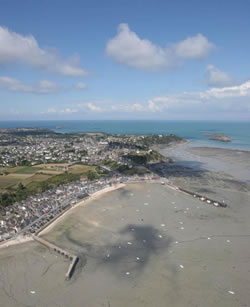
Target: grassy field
<point>27,170</point>
<point>37,179</point>
<point>11,169</point>
<point>28,174</point>
<point>52,166</point>
<point>81,169</point>
<point>19,170</point>
<point>8,181</point>
<point>50,172</point>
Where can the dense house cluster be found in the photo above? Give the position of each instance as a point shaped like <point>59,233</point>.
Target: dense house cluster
<point>20,146</point>
<point>115,154</point>
<point>43,149</point>
<point>30,215</point>
<point>51,148</point>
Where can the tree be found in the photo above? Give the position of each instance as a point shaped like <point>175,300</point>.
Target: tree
<point>21,187</point>
<point>92,175</point>
<point>44,186</point>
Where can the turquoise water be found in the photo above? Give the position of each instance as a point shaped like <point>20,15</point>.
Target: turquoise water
<point>239,132</point>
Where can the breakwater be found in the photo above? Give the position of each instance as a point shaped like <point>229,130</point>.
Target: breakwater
<point>73,258</point>
<point>164,181</point>
<point>204,199</point>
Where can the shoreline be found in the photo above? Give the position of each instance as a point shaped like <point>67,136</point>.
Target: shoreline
<point>94,196</point>
<point>232,162</point>
<point>220,148</point>
<point>16,241</point>
<point>218,145</point>
<point>81,203</point>
<point>200,160</point>
<point>154,238</point>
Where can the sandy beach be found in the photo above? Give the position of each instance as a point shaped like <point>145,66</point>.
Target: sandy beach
<point>16,241</point>
<point>142,245</point>
<point>94,196</point>
<point>25,239</point>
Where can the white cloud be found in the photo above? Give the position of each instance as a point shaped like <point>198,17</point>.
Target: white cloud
<point>15,47</point>
<point>46,87</point>
<point>93,107</point>
<point>81,86</point>
<point>14,85</point>
<point>51,110</point>
<point>152,105</point>
<point>137,107</point>
<point>242,90</point>
<point>109,106</point>
<point>232,102</point>
<point>68,110</point>
<point>216,99</point>
<point>63,111</point>
<point>129,49</point>
<point>195,47</point>
<point>215,77</point>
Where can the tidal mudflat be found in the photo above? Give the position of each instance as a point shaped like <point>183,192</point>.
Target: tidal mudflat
<point>141,245</point>
<point>233,162</point>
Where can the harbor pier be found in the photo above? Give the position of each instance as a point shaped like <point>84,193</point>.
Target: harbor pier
<point>73,258</point>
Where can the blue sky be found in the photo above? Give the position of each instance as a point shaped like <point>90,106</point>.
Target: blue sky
<point>124,59</point>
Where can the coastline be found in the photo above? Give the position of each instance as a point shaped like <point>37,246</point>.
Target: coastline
<point>188,160</point>
<point>94,196</point>
<point>16,241</point>
<point>236,130</point>
<point>155,238</point>
<point>232,162</point>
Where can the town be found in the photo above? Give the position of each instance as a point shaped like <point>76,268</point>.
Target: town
<point>64,169</point>
<point>36,146</point>
<point>30,215</point>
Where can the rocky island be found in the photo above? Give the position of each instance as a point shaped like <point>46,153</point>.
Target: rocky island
<point>218,137</point>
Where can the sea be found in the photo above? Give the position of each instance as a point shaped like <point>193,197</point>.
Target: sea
<point>194,131</point>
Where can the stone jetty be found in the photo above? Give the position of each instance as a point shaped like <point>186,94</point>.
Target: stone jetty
<point>204,199</point>
<point>73,258</point>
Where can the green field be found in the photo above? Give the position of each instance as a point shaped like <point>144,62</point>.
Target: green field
<point>81,169</point>
<point>10,169</point>
<point>27,170</point>
<point>35,178</point>
<point>18,183</point>
<point>7,181</point>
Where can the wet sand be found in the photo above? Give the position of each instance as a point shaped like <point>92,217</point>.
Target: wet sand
<point>94,196</point>
<point>24,239</point>
<point>18,240</point>
<point>233,162</point>
<point>141,245</point>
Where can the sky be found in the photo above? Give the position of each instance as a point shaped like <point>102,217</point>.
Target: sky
<point>124,59</point>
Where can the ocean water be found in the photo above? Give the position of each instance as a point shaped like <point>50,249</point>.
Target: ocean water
<point>194,131</point>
